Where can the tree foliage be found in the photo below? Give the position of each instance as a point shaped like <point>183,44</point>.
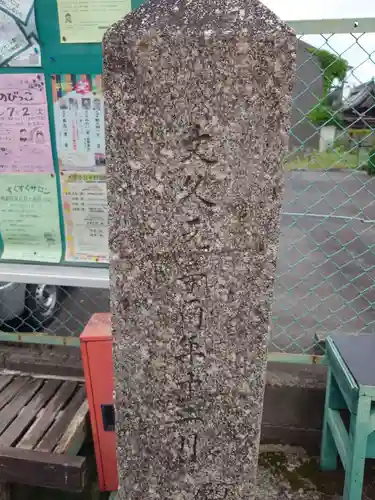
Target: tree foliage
<point>333,67</point>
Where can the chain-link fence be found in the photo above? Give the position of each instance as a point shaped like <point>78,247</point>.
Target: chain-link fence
<point>49,309</point>
<point>325,269</point>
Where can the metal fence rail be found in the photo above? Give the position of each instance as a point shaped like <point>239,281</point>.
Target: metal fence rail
<point>56,311</point>
<point>325,269</point>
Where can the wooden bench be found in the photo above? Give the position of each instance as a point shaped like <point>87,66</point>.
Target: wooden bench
<point>42,427</point>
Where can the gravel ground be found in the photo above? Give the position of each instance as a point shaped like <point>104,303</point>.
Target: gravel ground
<point>288,473</point>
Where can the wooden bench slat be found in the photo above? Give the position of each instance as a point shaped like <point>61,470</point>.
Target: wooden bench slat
<point>28,412</point>
<point>12,390</point>
<point>73,437</point>
<point>10,411</point>
<point>49,470</point>
<point>47,416</point>
<point>5,380</point>
<point>42,426</point>
<point>53,435</point>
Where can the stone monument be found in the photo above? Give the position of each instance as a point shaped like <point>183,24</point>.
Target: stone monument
<point>198,97</point>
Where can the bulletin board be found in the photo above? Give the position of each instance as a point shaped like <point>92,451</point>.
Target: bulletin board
<point>53,200</point>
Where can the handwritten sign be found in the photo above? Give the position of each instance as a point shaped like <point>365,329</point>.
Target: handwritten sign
<point>86,21</point>
<point>29,218</point>
<point>85,216</point>
<point>79,122</point>
<point>25,143</point>
<point>19,43</point>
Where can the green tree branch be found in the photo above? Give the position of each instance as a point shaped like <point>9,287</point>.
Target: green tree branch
<point>333,67</point>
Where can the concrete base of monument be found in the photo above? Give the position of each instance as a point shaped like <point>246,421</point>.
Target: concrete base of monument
<point>294,405</point>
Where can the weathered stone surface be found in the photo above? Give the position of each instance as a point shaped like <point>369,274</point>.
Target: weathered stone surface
<point>198,96</point>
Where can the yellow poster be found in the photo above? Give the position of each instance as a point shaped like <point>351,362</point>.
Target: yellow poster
<point>29,217</point>
<point>86,21</point>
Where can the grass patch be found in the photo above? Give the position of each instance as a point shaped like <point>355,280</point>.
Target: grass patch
<point>326,160</point>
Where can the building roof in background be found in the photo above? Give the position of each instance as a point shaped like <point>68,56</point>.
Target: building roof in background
<point>358,109</point>
<point>362,96</point>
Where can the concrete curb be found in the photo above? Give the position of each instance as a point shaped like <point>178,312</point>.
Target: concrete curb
<point>334,169</point>
<point>294,405</point>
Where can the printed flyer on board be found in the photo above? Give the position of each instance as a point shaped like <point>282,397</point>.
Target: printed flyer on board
<point>86,21</point>
<point>79,122</point>
<point>19,41</point>
<point>25,142</point>
<point>85,216</point>
<point>29,217</point>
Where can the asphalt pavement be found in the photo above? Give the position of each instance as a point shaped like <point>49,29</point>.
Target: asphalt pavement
<point>325,268</point>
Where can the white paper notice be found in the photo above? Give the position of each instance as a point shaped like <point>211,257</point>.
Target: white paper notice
<point>86,21</point>
<point>19,43</point>
<point>79,122</point>
<point>85,216</point>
